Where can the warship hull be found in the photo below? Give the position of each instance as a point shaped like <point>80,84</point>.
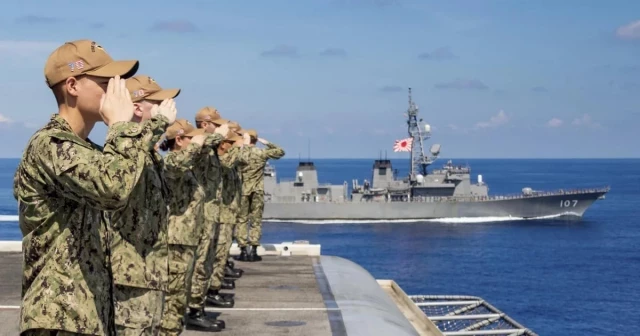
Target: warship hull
<point>566,206</point>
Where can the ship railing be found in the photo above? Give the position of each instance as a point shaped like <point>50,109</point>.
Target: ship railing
<point>508,196</point>
<point>431,199</point>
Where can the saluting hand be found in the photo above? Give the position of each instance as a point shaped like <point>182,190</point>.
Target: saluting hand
<point>115,104</point>
<point>210,128</point>
<point>199,139</point>
<point>223,130</point>
<point>263,141</point>
<point>167,108</point>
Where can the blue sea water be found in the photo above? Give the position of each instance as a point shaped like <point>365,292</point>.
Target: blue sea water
<point>554,277</point>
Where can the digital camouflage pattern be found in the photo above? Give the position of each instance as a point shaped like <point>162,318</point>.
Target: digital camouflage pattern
<point>43,332</point>
<point>181,260</point>
<point>185,228</point>
<point>138,311</point>
<point>140,230</point>
<point>251,209</point>
<point>62,184</point>
<point>230,193</point>
<point>186,196</point>
<point>208,172</point>
<point>252,172</point>
<point>252,201</point>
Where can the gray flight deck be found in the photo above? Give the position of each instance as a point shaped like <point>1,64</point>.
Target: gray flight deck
<point>293,291</point>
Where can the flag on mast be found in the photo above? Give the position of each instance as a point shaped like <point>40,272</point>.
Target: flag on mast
<point>403,145</point>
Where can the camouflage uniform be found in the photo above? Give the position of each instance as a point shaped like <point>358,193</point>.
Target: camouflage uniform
<point>62,185</point>
<point>230,193</point>
<point>207,171</point>
<point>139,259</point>
<point>252,201</point>
<point>185,227</point>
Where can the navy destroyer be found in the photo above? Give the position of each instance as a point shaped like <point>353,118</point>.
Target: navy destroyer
<point>446,192</point>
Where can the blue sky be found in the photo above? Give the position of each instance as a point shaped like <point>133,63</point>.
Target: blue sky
<point>495,79</point>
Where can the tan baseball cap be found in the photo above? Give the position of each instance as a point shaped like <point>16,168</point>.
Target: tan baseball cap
<point>220,121</point>
<point>144,87</point>
<point>84,57</point>
<point>182,127</point>
<point>232,136</point>
<point>207,113</point>
<point>252,133</point>
<point>234,126</point>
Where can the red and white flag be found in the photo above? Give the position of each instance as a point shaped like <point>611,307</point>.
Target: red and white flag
<point>403,145</point>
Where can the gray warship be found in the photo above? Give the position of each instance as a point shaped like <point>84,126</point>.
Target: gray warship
<point>446,192</point>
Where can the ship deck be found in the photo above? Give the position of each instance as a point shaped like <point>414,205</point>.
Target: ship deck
<point>282,295</point>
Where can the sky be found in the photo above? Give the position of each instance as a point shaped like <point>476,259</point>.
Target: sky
<point>494,79</point>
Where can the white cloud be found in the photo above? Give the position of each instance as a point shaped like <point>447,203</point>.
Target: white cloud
<point>4,119</point>
<point>555,122</point>
<point>630,31</point>
<point>586,121</point>
<point>497,120</point>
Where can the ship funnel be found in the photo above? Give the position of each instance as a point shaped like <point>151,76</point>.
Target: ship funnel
<point>479,179</point>
<point>427,128</point>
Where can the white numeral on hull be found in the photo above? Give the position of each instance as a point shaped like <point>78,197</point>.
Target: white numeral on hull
<point>568,203</point>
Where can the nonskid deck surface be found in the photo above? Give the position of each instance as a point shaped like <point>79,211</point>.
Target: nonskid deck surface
<point>281,295</point>
<point>278,296</point>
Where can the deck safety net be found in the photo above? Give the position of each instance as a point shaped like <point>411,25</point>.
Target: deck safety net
<point>468,316</point>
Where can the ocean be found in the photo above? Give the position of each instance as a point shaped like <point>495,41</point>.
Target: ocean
<point>555,277</point>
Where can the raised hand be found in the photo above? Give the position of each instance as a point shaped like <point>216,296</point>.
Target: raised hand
<point>222,130</point>
<point>199,139</point>
<point>167,108</point>
<point>115,104</point>
<point>263,141</point>
<point>210,128</point>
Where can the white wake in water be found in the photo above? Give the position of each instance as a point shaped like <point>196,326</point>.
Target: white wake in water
<point>453,220</point>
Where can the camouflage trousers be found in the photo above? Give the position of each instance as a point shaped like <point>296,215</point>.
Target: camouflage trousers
<point>181,261</point>
<point>251,207</point>
<point>223,247</point>
<point>205,252</point>
<point>47,332</point>
<point>138,311</point>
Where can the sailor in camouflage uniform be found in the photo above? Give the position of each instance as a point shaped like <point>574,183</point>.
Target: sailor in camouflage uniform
<point>139,231</point>
<point>184,143</point>
<point>63,184</point>
<point>207,169</point>
<point>230,193</point>
<point>252,201</point>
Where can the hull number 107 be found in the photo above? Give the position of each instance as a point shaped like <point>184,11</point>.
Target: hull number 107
<point>568,203</point>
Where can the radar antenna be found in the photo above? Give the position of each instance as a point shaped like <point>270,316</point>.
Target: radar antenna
<point>419,161</point>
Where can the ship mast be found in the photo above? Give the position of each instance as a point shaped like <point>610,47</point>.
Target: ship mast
<point>419,161</point>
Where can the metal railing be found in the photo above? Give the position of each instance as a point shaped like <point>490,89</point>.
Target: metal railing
<point>442,199</point>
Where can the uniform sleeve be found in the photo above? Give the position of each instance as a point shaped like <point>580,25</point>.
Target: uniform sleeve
<point>103,180</point>
<point>153,129</point>
<point>213,140</point>
<point>180,162</point>
<point>272,151</point>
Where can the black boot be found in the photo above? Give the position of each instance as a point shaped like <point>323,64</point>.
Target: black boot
<point>216,300</point>
<point>198,321</point>
<point>231,273</point>
<point>231,264</point>
<point>254,254</point>
<point>243,254</point>
<point>228,284</point>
